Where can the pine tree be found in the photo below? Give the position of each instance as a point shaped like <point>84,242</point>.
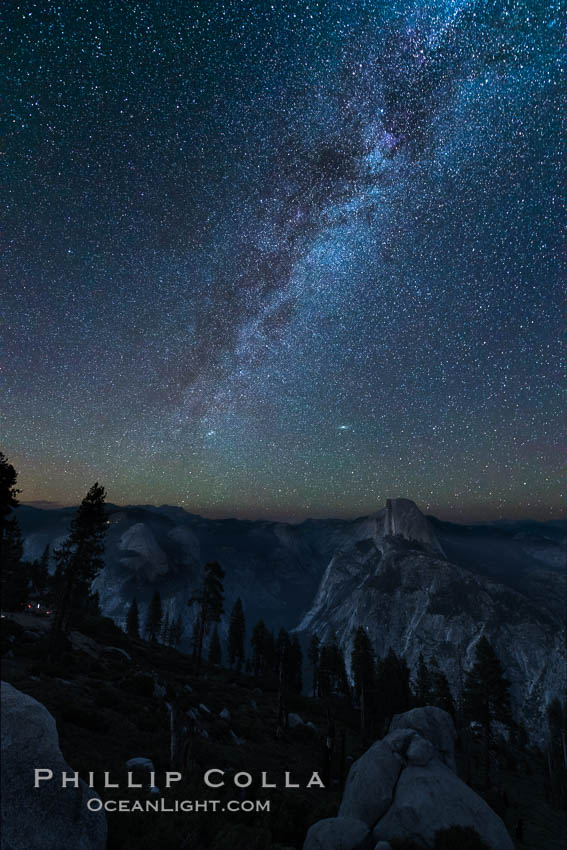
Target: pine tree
<point>333,679</point>
<point>215,651</point>
<point>295,666</point>
<point>440,691</point>
<point>259,642</point>
<point>362,665</point>
<point>487,696</point>
<point>8,491</point>
<point>236,634</point>
<point>14,574</point>
<point>422,683</point>
<point>133,620</point>
<point>556,751</point>
<point>209,600</point>
<point>338,667</point>
<point>283,644</point>
<point>177,631</point>
<point>154,618</point>
<point>313,656</point>
<point>166,630</point>
<point>195,638</point>
<point>392,686</point>
<point>40,574</point>
<point>79,560</point>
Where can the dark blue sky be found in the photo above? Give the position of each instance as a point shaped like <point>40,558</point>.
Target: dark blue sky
<point>285,259</point>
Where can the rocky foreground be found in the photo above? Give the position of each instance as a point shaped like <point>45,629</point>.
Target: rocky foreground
<point>46,817</point>
<point>405,787</point>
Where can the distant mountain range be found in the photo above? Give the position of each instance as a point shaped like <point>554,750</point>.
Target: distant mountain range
<point>416,583</point>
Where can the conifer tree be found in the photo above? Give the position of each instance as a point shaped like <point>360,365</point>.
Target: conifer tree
<point>40,574</point>
<point>78,561</point>
<point>295,665</point>
<point>209,602</point>
<point>487,696</point>
<point>14,575</point>
<point>332,670</point>
<point>154,618</point>
<point>195,638</point>
<point>166,630</point>
<point>313,656</point>
<point>236,634</point>
<point>8,491</point>
<point>422,683</point>
<point>133,620</point>
<point>556,751</point>
<point>176,631</point>
<point>392,686</point>
<point>363,669</point>
<point>440,691</point>
<point>362,663</point>
<point>282,647</point>
<point>215,651</point>
<point>260,649</point>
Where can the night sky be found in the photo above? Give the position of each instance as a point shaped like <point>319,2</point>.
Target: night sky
<point>284,259</point>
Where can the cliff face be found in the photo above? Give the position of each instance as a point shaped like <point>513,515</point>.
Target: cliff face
<point>404,519</point>
<point>414,601</point>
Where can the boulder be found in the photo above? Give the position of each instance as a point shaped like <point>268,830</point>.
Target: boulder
<point>405,787</point>
<point>433,724</point>
<point>431,798</point>
<point>338,834</point>
<point>52,817</point>
<point>140,763</point>
<point>370,784</point>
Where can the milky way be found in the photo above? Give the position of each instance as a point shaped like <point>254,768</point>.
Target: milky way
<point>285,259</point>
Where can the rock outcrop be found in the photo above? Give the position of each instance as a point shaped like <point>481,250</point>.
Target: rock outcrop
<point>404,519</point>
<point>405,787</point>
<point>48,817</point>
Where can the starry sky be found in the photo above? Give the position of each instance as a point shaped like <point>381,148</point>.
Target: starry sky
<point>284,259</point>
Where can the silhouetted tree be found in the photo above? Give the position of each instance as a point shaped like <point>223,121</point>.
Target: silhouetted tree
<point>166,630</point>
<point>40,574</point>
<point>154,618</point>
<point>14,575</point>
<point>8,490</point>
<point>283,644</point>
<point>363,670</point>
<point>332,671</point>
<point>260,648</point>
<point>236,634</point>
<point>422,683</point>
<point>78,561</point>
<point>487,696</point>
<point>215,651</point>
<point>440,691</point>
<point>392,686</point>
<point>556,751</point>
<point>313,656</point>
<point>295,665</point>
<point>133,620</point>
<point>209,602</point>
<point>176,631</point>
